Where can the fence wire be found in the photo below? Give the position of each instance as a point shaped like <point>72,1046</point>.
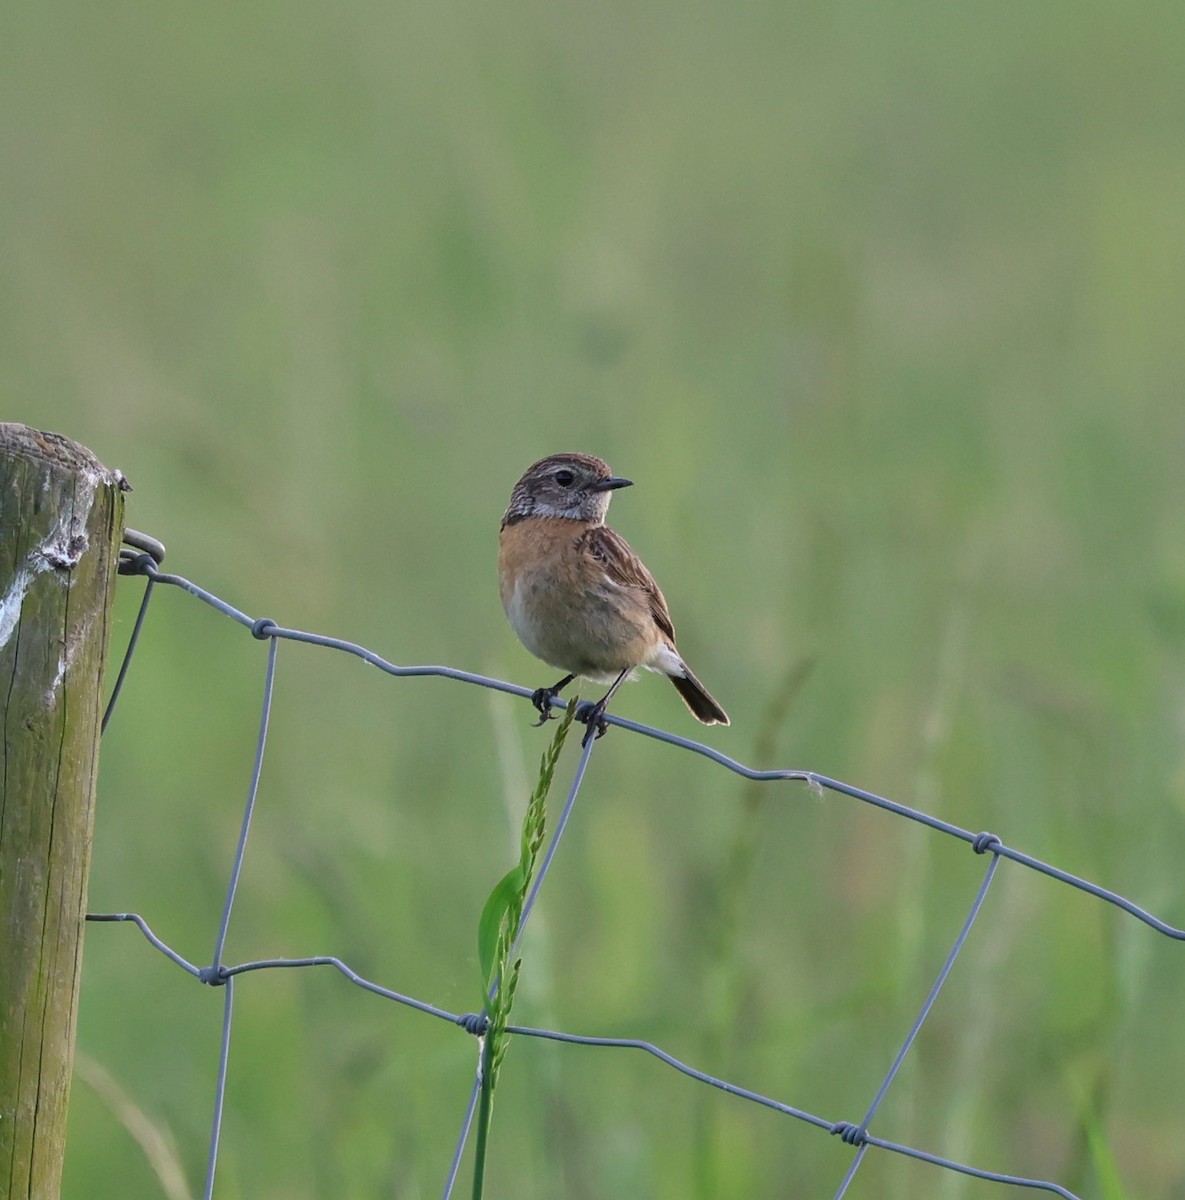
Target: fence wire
<point>145,557</point>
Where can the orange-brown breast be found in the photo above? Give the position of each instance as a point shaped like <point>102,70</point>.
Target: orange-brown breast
<point>564,606</point>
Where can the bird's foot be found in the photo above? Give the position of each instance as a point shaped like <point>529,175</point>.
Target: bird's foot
<point>592,715</point>
<point>541,698</point>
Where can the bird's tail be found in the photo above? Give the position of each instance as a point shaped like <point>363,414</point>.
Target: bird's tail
<point>697,698</point>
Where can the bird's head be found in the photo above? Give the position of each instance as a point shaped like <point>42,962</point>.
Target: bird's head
<point>574,486</point>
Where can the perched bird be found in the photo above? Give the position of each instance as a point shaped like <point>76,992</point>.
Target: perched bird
<point>576,594</point>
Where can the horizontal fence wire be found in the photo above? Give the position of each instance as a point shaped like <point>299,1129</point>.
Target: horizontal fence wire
<point>145,559</point>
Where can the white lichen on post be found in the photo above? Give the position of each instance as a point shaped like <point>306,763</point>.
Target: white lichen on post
<point>61,520</point>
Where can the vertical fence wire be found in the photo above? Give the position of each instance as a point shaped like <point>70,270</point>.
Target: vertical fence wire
<point>248,812</point>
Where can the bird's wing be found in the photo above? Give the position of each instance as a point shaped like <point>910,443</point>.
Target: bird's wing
<point>624,567</point>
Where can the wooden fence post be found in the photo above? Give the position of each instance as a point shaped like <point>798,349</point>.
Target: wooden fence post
<point>61,521</point>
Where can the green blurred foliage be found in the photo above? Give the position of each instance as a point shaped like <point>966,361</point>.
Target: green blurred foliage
<point>881,306</point>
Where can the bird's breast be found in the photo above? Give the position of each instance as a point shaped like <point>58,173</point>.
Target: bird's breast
<point>564,607</point>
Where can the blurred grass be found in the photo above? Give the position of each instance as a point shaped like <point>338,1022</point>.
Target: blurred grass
<point>881,307</point>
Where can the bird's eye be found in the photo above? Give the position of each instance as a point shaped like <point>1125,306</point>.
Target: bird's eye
<point>565,478</point>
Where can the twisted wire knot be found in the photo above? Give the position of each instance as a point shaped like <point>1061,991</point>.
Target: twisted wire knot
<point>131,563</point>
<point>850,1133</point>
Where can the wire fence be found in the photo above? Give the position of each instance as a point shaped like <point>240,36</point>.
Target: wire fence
<point>145,558</point>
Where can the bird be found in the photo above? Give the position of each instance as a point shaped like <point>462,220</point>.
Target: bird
<point>577,595</point>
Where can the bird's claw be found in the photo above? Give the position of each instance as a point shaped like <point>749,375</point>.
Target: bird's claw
<point>592,715</point>
<point>541,698</point>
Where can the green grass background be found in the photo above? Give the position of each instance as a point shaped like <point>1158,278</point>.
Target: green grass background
<point>881,306</point>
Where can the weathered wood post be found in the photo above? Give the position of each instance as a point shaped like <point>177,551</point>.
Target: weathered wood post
<point>61,520</point>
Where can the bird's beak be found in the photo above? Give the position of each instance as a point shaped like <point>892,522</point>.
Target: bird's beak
<point>611,484</point>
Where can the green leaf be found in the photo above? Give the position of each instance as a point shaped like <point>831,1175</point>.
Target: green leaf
<point>493,914</point>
